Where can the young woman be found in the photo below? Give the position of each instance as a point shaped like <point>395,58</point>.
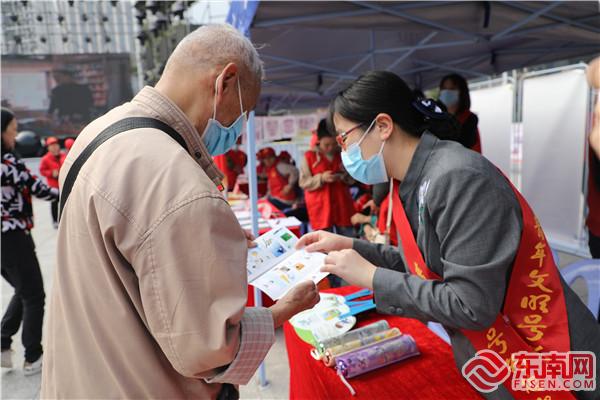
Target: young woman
<point>472,256</point>
<point>20,266</point>
<point>454,93</point>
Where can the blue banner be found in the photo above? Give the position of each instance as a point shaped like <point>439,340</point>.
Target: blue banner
<point>241,14</point>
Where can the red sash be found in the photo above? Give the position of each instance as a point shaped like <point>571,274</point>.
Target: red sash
<point>534,316</point>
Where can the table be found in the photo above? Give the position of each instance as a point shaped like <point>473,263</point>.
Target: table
<point>431,375</point>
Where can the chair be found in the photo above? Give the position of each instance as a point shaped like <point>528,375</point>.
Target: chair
<point>589,270</point>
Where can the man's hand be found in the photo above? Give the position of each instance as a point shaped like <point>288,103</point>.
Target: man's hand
<point>250,239</point>
<point>351,267</point>
<point>301,297</point>
<point>324,241</point>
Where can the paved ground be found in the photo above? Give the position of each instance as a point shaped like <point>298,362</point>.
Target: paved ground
<point>16,386</point>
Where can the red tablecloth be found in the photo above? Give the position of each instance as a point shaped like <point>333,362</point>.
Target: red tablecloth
<point>431,375</point>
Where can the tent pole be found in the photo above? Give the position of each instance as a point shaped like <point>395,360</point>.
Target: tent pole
<point>252,184</point>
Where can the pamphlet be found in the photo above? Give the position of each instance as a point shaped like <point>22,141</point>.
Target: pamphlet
<point>274,266</point>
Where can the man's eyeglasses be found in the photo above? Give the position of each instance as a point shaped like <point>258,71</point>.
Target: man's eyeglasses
<point>343,136</point>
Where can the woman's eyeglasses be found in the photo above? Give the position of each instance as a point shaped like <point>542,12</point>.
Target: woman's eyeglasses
<point>343,136</point>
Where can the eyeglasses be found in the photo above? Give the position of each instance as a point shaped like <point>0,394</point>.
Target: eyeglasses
<point>343,136</point>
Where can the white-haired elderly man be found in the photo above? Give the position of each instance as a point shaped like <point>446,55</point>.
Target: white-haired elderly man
<point>150,283</point>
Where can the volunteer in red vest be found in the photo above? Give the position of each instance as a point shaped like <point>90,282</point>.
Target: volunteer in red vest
<point>282,178</point>
<point>326,187</point>
<point>454,93</point>
<point>473,257</point>
<point>49,168</point>
<point>231,164</point>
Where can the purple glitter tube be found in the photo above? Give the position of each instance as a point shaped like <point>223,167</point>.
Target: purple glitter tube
<point>369,358</point>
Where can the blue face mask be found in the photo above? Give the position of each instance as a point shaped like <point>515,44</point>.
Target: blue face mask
<point>371,171</point>
<point>217,138</point>
<point>449,97</point>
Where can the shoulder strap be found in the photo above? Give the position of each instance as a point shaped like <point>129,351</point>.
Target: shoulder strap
<point>123,125</point>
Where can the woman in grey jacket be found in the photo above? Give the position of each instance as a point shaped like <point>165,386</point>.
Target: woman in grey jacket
<point>472,255</point>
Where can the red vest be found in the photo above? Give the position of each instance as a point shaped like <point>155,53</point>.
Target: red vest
<point>382,220</point>
<point>332,203</point>
<point>462,118</point>
<point>277,182</point>
<point>533,317</point>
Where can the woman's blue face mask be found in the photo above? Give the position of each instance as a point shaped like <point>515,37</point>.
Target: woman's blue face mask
<point>371,171</point>
<point>449,97</point>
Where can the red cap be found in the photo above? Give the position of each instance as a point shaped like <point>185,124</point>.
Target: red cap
<point>69,143</point>
<point>285,156</point>
<point>51,140</point>
<point>265,153</point>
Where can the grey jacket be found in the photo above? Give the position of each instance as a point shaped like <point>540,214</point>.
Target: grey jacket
<point>467,222</point>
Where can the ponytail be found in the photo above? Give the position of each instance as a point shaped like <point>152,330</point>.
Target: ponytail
<point>385,92</point>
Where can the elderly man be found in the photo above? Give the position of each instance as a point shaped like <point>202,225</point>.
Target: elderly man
<point>150,287</point>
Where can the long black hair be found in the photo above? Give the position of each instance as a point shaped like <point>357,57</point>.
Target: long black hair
<point>385,92</point>
<point>323,131</point>
<point>7,117</point>
<point>464,98</point>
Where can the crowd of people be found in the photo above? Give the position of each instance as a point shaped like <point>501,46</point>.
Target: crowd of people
<point>150,272</point>
<point>322,193</point>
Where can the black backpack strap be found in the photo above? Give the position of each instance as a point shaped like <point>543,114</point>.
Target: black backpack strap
<point>123,125</point>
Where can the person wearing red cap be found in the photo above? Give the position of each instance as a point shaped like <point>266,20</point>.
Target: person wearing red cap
<point>286,157</point>
<point>68,144</point>
<point>281,177</point>
<point>49,168</point>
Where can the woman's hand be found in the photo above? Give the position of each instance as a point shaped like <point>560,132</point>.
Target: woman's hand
<point>329,177</point>
<point>324,242</point>
<point>351,267</point>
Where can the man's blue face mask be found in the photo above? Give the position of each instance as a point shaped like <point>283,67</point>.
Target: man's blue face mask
<point>217,138</point>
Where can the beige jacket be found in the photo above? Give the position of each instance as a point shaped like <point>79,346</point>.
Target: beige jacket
<point>150,286</point>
